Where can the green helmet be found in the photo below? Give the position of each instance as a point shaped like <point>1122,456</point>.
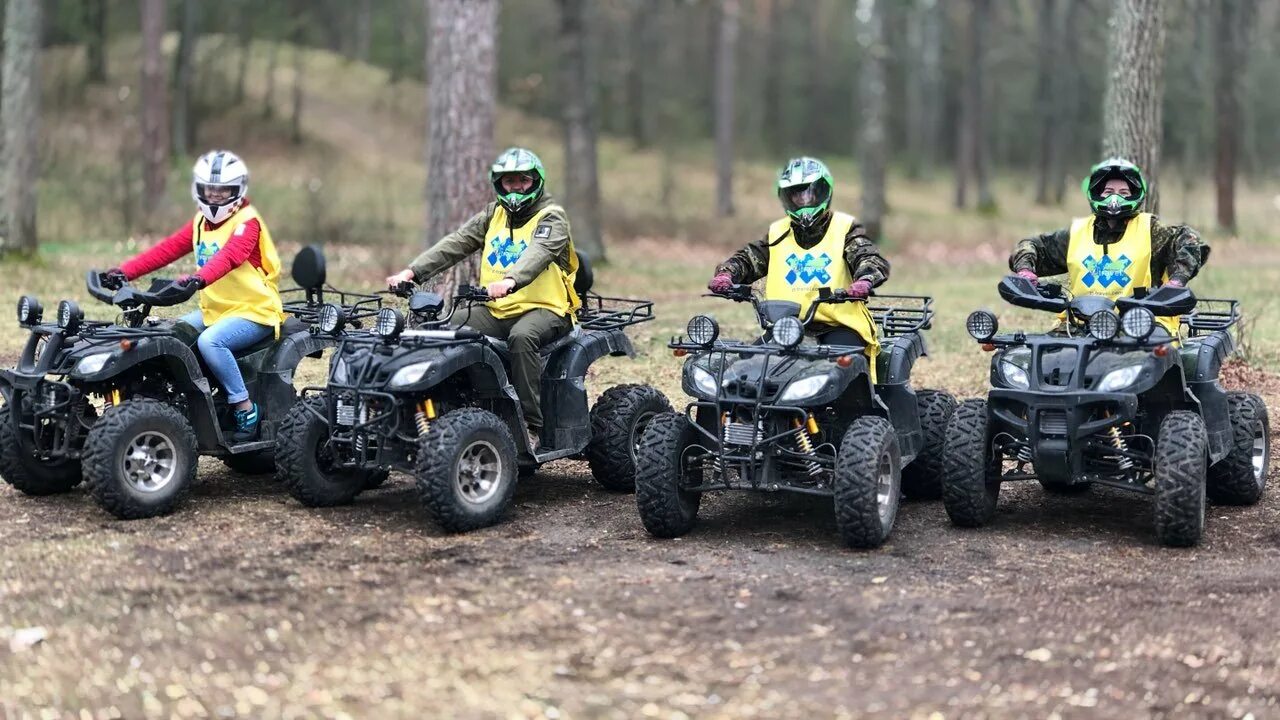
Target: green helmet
<point>522,161</point>
<point>1114,205</point>
<point>804,187</point>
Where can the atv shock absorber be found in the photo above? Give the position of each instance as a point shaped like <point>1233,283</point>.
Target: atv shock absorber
<point>426,412</point>
<point>1118,443</point>
<point>362,416</point>
<point>804,441</point>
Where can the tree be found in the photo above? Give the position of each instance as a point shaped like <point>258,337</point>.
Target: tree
<point>1067,98</point>
<point>872,109</point>
<point>1046,73</point>
<point>924,97</point>
<point>725,106</point>
<point>20,118</point>
<point>1135,88</point>
<point>461,98</point>
<point>364,29</point>
<point>95,18</point>
<point>1231,20</point>
<point>642,56</point>
<point>184,79</point>
<point>295,116</point>
<point>971,145</point>
<point>582,178</point>
<point>776,50</point>
<point>155,125</point>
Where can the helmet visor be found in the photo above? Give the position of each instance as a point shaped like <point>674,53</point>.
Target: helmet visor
<point>1102,185</point>
<point>807,199</point>
<point>213,194</point>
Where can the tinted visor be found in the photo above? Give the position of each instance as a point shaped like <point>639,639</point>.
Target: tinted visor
<point>217,194</point>
<point>799,197</point>
<point>1100,179</point>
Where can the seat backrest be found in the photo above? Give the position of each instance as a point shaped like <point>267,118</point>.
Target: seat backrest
<point>585,278</point>
<point>308,267</point>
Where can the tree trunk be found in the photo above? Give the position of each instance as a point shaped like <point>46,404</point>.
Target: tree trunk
<point>244,34</point>
<point>269,97</point>
<point>295,116</point>
<point>20,119</point>
<point>461,99</point>
<point>982,17</point>
<point>184,79</point>
<point>924,100</point>
<point>582,180</point>
<point>155,125</point>
<point>1135,89</point>
<point>1046,72</point>
<point>1067,99</point>
<point>775,43</point>
<point>95,17</point>
<point>872,113</point>
<point>970,105</point>
<point>364,29</point>
<point>725,105</point>
<point>1232,20</point>
<point>642,57</point>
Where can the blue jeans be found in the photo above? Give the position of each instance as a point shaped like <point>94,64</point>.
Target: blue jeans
<point>218,344</point>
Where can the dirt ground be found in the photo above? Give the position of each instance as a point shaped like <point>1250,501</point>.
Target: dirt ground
<point>245,604</point>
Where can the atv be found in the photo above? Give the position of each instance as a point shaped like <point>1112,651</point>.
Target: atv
<point>128,406</point>
<point>422,396</point>
<point>1111,398</point>
<point>784,413</point>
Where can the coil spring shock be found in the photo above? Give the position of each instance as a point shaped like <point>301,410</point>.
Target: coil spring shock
<point>426,411</point>
<point>1118,443</point>
<point>805,443</point>
<point>1024,454</point>
<point>361,418</point>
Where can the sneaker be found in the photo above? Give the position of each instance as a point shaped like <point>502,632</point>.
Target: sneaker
<point>535,438</point>
<point>246,425</point>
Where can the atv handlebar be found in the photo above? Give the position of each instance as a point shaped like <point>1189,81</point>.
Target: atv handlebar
<point>826,296</point>
<point>162,293</point>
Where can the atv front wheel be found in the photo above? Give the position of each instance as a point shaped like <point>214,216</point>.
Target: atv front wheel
<point>1182,449</point>
<point>618,420</point>
<point>666,508</point>
<point>466,471</point>
<point>868,482</point>
<point>140,459</point>
<point>922,477</point>
<point>970,475</point>
<point>22,469</point>
<point>304,460</point>
<point>1240,477</point>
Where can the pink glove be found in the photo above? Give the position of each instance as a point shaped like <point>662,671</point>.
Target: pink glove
<point>1174,282</point>
<point>860,289</point>
<point>1035,279</point>
<point>721,283</point>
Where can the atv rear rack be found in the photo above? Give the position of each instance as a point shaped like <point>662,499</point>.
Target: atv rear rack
<point>1211,315</point>
<point>611,313</point>
<point>902,314</point>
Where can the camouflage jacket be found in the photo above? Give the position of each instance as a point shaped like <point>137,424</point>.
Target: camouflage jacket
<point>861,255</point>
<point>549,247</point>
<point>1174,248</point>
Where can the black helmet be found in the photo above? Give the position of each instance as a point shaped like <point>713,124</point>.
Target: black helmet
<point>1115,206</point>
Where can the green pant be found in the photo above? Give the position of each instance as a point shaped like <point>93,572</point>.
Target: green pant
<point>525,335</point>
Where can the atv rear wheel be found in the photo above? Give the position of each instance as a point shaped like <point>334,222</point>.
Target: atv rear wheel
<point>868,482</point>
<point>1182,450</point>
<point>1241,476</point>
<point>32,476</point>
<point>618,421</point>
<point>140,459</point>
<point>466,470</point>
<point>260,462</point>
<point>922,477</point>
<point>305,462</point>
<point>666,508</point>
<point>970,476</point>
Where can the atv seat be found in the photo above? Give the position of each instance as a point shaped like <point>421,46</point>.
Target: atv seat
<point>291,325</point>
<point>545,350</point>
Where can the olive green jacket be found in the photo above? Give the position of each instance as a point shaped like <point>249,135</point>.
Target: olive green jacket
<point>861,255</point>
<point>1177,249</point>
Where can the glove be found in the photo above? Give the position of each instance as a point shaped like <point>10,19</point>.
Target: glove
<point>1029,275</point>
<point>860,289</point>
<point>721,283</point>
<point>191,280</point>
<point>114,279</point>
<point>1175,282</point>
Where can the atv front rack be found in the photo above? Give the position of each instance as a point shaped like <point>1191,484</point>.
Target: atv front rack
<point>901,314</point>
<point>1211,315</point>
<point>610,313</point>
<point>355,306</point>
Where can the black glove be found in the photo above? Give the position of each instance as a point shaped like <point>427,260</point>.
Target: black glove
<point>113,279</point>
<point>189,284</point>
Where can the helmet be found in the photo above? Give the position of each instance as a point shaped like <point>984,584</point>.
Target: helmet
<point>1113,205</point>
<point>804,187</point>
<point>220,182</point>
<point>517,160</point>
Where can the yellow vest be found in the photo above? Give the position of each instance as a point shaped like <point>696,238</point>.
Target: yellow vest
<point>245,292</point>
<point>551,290</point>
<point>1126,265</point>
<point>796,274</point>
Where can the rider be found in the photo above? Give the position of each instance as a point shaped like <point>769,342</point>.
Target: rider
<point>528,267</point>
<point>810,248</point>
<point>236,276</point>
<point>1117,248</point>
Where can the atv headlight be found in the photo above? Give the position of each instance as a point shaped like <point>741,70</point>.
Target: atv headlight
<point>29,311</point>
<point>1119,378</point>
<point>804,388</point>
<point>702,329</point>
<point>703,381</point>
<point>1138,323</point>
<point>1104,325</point>
<point>787,331</point>
<point>1015,376</point>
<point>410,374</point>
<point>69,316</point>
<point>389,323</point>
<point>331,319</point>
<point>92,363</point>
<point>982,325</point>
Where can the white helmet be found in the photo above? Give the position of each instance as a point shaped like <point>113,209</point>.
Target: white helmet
<point>219,171</point>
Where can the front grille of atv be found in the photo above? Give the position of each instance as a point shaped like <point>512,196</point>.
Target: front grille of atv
<point>740,434</point>
<point>1053,422</point>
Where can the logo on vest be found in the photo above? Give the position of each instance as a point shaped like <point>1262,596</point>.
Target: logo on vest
<point>807,268</point>
<point>205,251</point>
<point>1106,271</point>
<point>505,252</point>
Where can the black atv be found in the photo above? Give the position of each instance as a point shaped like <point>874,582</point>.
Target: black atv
<point>783,413</point>
<point>435,401</point>
<point>129,405</point>
<point>1111,398</point>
